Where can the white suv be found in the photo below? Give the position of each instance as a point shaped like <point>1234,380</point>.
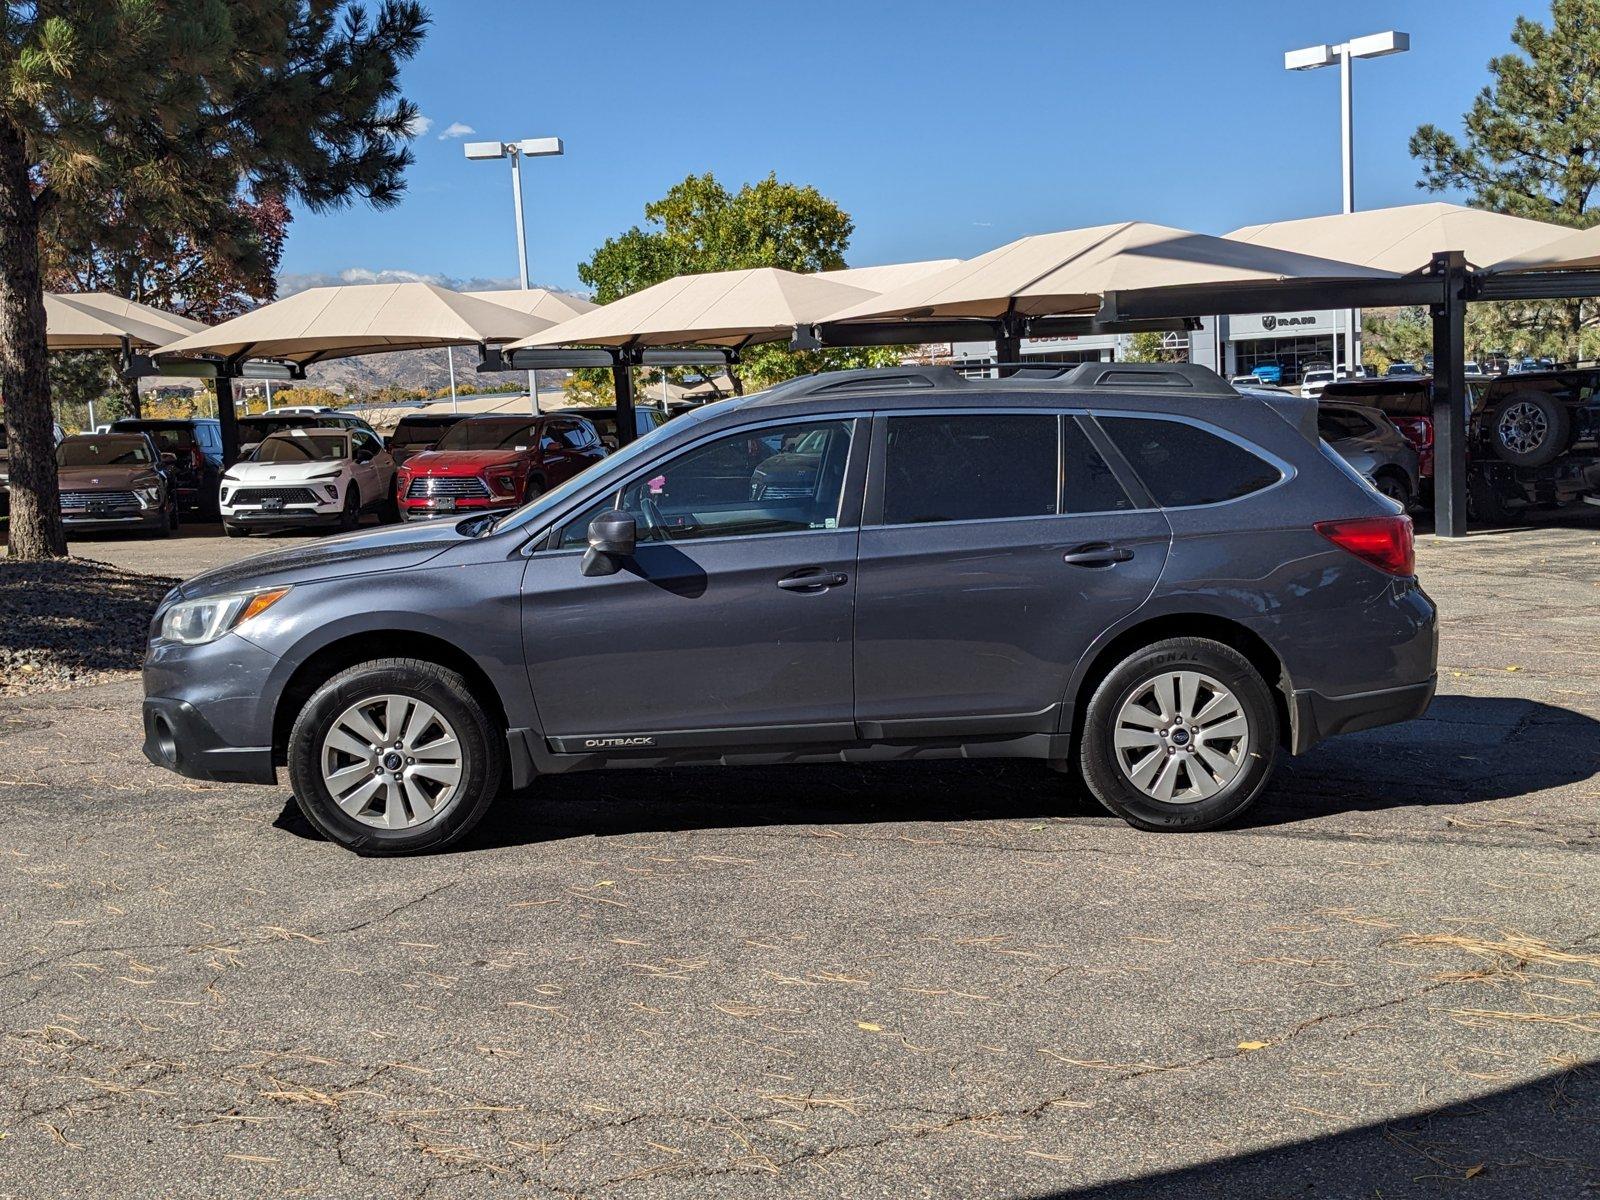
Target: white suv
<point>309,477</point>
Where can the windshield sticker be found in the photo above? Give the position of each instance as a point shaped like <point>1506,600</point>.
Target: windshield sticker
<point>657,485</point>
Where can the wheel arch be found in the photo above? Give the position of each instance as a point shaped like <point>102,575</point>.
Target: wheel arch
<point>1102,660</point>
<point>347,651</point>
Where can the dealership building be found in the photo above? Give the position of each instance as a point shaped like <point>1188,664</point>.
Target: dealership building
<point>1230,345</point>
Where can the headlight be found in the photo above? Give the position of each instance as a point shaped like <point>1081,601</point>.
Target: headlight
<point>147,496</point>
<point>196,622</point>
<point>334,474</point>
<point>503,484</point>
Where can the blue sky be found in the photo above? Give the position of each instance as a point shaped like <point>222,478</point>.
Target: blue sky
<point>944,129</point>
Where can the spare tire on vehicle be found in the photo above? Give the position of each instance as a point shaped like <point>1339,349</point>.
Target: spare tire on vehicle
<point>1529,429</point>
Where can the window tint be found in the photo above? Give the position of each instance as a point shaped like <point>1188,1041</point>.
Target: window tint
<point>781,479</point>
<point>969,466</point>
<point>1183,465</point>
<point>1087,484</point>
<point>1335,423</point>
<point>575,435</point>
<point>172,440</point>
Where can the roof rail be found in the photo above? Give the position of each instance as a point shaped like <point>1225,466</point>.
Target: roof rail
<point>867,379</point>
<point>1189,377</point>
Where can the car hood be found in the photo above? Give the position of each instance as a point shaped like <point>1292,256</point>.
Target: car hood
<point>461,462</point>
<point>107,479</point>
<point>387,548</point>
<point>271,472</point>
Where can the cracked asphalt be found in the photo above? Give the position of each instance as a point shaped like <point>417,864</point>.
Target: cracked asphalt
<point>944,979</point>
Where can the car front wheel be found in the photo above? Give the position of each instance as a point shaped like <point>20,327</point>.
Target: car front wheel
<point>394,756</point>
<point>1181,735</point>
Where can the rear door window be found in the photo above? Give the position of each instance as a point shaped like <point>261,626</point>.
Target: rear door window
<point>1183,465</point>
<point>1334,424</point>
<point>970,467</point>
<point>1087,484</point>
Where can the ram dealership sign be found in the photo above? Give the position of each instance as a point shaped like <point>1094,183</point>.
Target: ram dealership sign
<point>1282,325</point>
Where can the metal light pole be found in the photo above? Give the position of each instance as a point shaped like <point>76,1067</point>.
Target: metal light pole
<point>516,152</point>
<point>1309,58</point>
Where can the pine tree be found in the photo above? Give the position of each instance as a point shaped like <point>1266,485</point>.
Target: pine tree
<point>180,109</point>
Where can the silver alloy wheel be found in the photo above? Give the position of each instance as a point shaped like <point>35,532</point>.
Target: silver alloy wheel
<point>1522,427</point>
<point>1181,737</point>
<point>392,762</point>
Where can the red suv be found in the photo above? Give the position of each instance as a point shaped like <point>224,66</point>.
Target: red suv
<point>495,462</point>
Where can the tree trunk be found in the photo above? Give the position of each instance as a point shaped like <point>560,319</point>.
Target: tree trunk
<point>130,397</point>
<point>24,363</point>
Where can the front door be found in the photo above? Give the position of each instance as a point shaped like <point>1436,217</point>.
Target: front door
<point>731,624</point>
<point>1001,547</point>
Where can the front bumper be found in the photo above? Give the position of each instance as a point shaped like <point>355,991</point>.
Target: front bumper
<point>1315,716</point>
<point>284,518</point>
<point>179,738</point>
<point>150,518</point>
<point>427,510</point>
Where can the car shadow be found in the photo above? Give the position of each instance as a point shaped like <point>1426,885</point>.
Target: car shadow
<point>1513,1142</point>
<point>1466,750</point>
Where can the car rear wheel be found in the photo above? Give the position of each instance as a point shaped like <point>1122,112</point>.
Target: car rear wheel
<point>1395,487</point>
<point>1181,735</point>
<point>1530,429</point>
<point>394,756</point>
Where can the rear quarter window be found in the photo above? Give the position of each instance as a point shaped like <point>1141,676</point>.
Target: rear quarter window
<point>1183,465</point>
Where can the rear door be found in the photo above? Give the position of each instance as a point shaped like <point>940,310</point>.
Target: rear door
<point>996,546</point>
<point>730,624</point>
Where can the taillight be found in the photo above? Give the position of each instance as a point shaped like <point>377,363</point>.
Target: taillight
<point>1416,430</point>
<point>1385,542</point>
<point>199,459</point>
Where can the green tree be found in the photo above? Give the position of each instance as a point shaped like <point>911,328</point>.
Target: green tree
<point>699,226</point>
<point>180,109</point>
<point>1530,147</point>
<point>1150,348</point>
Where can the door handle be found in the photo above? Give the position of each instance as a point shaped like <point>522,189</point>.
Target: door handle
<point>812,580</point>
<point>1097,554</point>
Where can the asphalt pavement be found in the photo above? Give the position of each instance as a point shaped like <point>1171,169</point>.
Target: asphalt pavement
<point>943,979</point>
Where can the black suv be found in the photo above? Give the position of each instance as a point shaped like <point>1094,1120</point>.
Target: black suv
<point>195,444</point>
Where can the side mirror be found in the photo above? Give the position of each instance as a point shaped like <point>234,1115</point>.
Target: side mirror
<point>612,536</point>
<point>168,459</point>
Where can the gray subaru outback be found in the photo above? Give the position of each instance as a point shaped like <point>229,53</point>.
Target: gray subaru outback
<point>1132,572</point>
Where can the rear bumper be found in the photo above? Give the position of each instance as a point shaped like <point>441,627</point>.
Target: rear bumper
<point>1316,716</point>
<point>179,738</point>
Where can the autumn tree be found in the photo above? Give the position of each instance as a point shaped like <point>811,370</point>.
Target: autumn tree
<point>180,114</point>
<point>1530,147</point>
<point>700,226</point>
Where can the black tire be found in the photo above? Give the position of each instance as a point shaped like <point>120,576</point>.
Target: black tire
<point>478,734</point>
<point>389,510</point>
<point>1104,773</point>
<point>232,530</point>
<point>1395,486</point>
<point>174,519</point>
<point>1539,425</point>
<point>350,518</point>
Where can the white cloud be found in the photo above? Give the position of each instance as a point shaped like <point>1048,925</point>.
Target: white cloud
<point>456,129</point>
<point>418,126</point>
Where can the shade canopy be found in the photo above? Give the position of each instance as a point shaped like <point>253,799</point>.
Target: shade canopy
<point>721,308</point>
<point>887,276</point>
<point>1071,271</point>
<point>1575,250</point>
<point>1405,238</point>
<point>101,321</point>
<point>363,318</point>
<point>538,302</point>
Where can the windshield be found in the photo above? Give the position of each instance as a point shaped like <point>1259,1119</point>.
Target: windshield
<point>495,433</point>
<point>104,452</point>
<point>255,429</point>
<point>418,433</point>
<point>309,446</point>
<point>614,467</point>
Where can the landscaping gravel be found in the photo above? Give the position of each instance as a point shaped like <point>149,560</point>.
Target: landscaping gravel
<point>72,621</point>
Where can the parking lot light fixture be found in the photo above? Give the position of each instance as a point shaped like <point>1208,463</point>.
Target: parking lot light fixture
<point>546,147</point>
<point>1309,58</point>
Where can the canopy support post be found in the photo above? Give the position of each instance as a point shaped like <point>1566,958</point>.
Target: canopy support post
<point>228,421</point>
<point>622,385</point>
<point>1007,345</point>
<point>1449,396</point>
